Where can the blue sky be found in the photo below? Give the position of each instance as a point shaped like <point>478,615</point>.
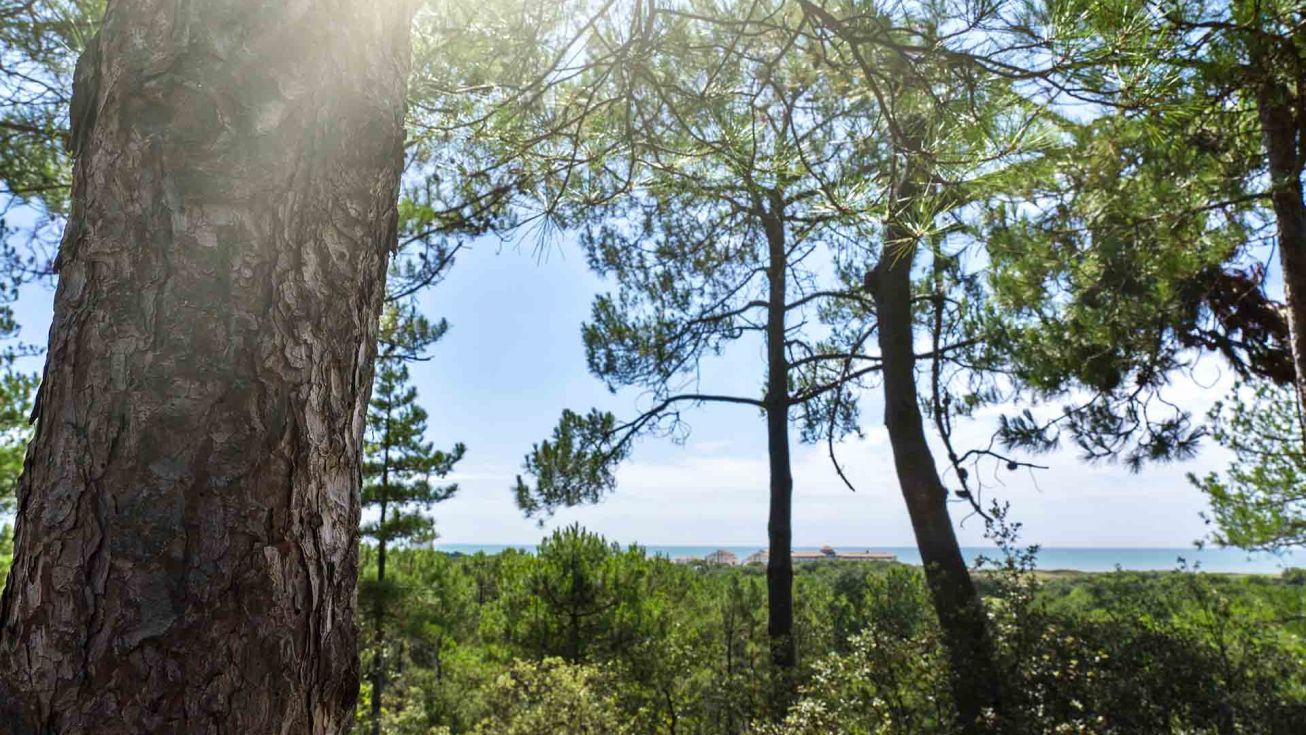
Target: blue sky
<point>513,360</point>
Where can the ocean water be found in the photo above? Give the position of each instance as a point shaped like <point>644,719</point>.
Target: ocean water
<point>1049,558</point>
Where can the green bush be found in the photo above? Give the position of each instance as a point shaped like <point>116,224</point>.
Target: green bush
<point>505,643</point>
<point>551,697</point>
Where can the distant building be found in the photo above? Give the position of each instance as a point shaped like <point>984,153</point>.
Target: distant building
<point>866,556</point>
<point>828,553</point>
<point>722,556</point>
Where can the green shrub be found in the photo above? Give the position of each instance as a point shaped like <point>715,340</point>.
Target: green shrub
<point>661,648</point>
<point>551,697</point>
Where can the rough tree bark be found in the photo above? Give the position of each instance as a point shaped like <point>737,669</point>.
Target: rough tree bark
<point>1284,133</point>
<point>779,526</point>
<point>186,551</point>
<point>974,681</point>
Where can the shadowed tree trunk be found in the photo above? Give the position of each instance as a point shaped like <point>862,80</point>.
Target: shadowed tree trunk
<point>973,678</point>
<point>186,550</point>
<point>974,681</point>
<point>779,527</point>
<point>1284,139</point>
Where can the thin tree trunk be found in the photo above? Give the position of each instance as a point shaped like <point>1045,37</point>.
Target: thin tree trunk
<point>378,663</point>
<point>974,680</point>
<point>779,527</point>
<point>573,637</point>
<point>186,548</point>
<point>1286,161</point>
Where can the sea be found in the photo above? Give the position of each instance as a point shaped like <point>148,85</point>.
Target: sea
<point>1227,561</point>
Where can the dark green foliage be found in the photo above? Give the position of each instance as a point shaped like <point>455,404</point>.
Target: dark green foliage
<point>399,465</point>
<point>16,392</point>
<point>717,195</point>
<point>1139,652</point>
<point>677,648</point>
<point>574,467</point>
<point>1150,236</point>
<point>40,42</point>
<point>1072,254</point>
<point>398,462</point>
<point>583,598</point>
<point>1126,264</point>
<point>1260,501</point>
<point>690,143</point>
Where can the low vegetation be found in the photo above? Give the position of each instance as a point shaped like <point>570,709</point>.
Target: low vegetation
<point>584,636</point>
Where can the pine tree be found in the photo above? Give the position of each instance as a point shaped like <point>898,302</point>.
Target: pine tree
<point>185,555</point>
<point>1259,502</point>
<point>398,466</point>
<point>16,392</point>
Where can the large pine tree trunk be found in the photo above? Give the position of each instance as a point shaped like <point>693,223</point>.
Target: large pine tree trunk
<point>974,681</point>
<point>186,551</point>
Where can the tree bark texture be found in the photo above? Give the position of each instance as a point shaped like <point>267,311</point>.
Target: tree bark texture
<point>779,526</point>
<point>186,551</point>
<point>974,679</point>
<point>1284,139</point>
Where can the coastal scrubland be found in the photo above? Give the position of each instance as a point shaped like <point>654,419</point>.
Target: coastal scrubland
<point>584,636</point>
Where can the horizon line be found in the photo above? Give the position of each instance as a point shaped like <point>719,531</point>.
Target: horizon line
<point>763,546</point>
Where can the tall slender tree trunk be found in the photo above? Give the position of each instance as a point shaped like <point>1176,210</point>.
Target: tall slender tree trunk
<point>379,663</point>
<point>1283,138</point>
<point>186,549</point>
<point>974,679</point>
<point>779,527</point>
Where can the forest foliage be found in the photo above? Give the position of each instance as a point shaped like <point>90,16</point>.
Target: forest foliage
<point>1047,208</point>
<point>584,636</point>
